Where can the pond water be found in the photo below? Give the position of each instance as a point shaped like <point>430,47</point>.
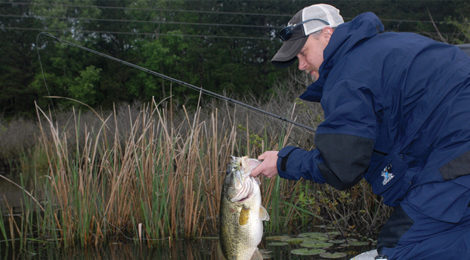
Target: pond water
<point>9,193</point>
<point>181,249</point>
<point>178,250</point>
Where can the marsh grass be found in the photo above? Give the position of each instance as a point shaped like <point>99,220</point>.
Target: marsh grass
<point>155,171</point>
<point>160,179</point>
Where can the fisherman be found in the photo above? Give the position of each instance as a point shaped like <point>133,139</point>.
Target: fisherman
<point>397,112</point>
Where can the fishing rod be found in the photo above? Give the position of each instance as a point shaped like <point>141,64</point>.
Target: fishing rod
<point>177,81</point>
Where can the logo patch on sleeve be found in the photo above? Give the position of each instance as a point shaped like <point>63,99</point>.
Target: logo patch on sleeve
<point>387,174</point>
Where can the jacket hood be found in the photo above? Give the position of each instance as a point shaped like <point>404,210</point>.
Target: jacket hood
<point>344,38</point>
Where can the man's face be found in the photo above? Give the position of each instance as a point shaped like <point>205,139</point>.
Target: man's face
<point>310,56</point>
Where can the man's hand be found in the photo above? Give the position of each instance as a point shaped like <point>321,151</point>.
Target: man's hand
<point>268,167</point>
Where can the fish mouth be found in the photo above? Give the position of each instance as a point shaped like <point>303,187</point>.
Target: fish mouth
<point>245,191</point>
<point>243,199</point>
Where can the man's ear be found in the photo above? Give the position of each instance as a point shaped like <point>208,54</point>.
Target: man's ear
<point>327,32</point>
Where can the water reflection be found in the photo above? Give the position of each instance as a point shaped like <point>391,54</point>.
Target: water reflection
<point>10,194</point>
<point>181,249</point>
<point>191,250</point>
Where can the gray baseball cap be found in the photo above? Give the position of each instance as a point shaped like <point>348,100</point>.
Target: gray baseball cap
<point>305,22</point>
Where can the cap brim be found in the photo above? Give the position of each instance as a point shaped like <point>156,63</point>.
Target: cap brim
<point>286,55</point>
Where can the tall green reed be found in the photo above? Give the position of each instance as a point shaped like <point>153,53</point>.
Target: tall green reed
<point>159,179</point>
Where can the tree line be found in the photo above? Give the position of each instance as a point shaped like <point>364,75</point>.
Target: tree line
<point>222,46</point>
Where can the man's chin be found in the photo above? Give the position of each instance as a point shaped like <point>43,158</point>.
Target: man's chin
<point>313,77</point>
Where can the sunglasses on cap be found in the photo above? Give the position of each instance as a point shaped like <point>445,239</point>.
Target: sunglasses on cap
<point>286,33</point>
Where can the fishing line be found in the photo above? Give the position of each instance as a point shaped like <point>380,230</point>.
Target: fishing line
<point>177,81</point>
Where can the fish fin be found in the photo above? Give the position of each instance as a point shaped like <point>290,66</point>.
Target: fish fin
<point>244,216</point>
<point>257,255</point>
<point>220,253</point>
<point>263,214</point>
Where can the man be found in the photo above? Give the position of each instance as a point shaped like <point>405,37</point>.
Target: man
<point>397,112</point>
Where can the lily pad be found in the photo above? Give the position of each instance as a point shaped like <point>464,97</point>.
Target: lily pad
<point>314,235</point>
<point>295,240</point>
<point>333,255</point>
<point>337,241</point>
<point>307,251</point>
<point>278,244</point>
<point>315,244</point>
<point>358,243</point>
<point>333,233</point>
<point>277,238</point>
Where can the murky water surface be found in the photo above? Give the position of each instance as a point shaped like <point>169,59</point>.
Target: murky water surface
<point>196,249</point>
<point>9,193</point>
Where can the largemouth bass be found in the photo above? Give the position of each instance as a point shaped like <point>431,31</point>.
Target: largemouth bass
<point>241,213</point>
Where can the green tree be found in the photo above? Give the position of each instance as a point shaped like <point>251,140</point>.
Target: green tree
<point>222,46</point>
<point>17,60</point>
<point>84,86</point>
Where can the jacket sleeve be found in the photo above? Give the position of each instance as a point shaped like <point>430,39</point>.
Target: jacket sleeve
<point>344,141</point>
<point>346,158</point>
<point>294,163</point>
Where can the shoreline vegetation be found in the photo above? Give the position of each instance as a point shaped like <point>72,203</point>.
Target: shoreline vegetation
<point>154,172</point>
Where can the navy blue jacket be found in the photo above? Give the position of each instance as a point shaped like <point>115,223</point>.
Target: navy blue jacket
<point>397,112</point>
